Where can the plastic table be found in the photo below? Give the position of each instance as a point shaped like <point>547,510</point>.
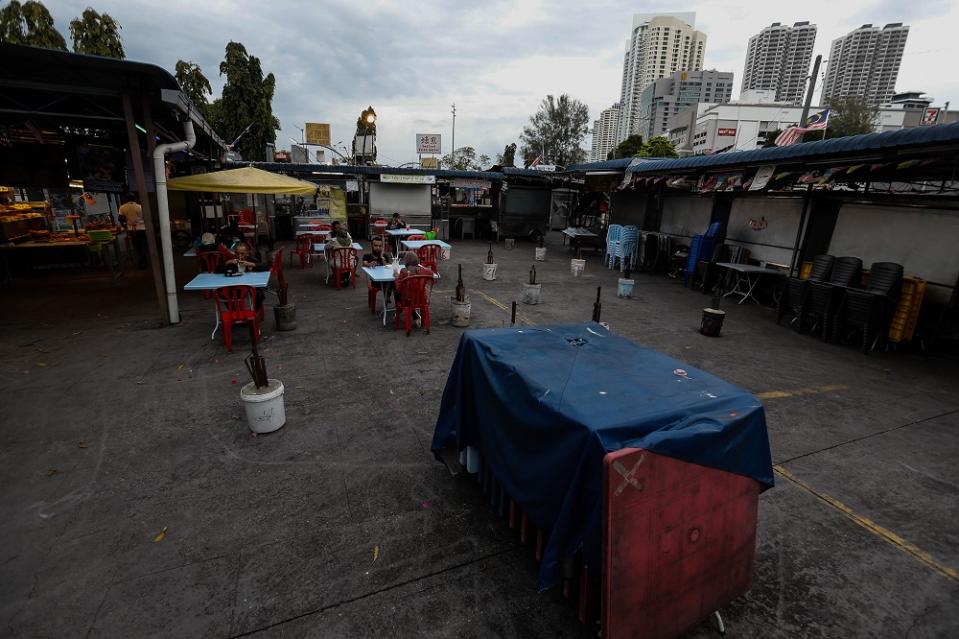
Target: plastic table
<point>213,281</point>
<point>396,234</point>
<point>747,277</point>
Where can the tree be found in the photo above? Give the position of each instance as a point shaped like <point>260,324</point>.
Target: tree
<point>628,148</point>
<point>508,157</point>
<point>31,24</point>
<point>848,116</point>
<point>770,139</point>
<point>191,79</point>
<point>247,101</point>
<point>659,147</point>
<point>96,34</point>
<point>556,131</point>
<point>466,160</point>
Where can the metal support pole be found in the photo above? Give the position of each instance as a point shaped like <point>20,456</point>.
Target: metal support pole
<point>809,91</point>
<point>134,143</point>
<point>800,233</point>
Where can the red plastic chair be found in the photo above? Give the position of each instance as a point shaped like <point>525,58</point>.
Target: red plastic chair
<point>343,260</point>
<point>208,263</point>
<point>371,293</point>
<point>304,247</point>
<point>379,226</point>
<point>415,238</point>
<point>414,296</point>
<point>237,305</point>
<point>324,227</point>
<point>429,256</point>
<point>276,270</point>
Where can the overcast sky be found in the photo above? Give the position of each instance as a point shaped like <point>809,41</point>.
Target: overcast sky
<point>495,59</point>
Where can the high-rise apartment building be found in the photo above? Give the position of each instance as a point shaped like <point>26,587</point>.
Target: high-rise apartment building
<point>604,133</point>
<point>658,46</point>
<point>865,62</point>
<point>778,59</point>
<point>668,96</point>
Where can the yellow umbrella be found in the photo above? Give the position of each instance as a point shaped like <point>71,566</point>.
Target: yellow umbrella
<point>245,180</point>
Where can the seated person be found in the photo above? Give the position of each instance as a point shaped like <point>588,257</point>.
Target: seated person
<point>341,240</point>
<point>378,255</point>
<point>246,261</point>
<point>411,266</point>
<point>335,228</point>
<point>230,234</point>
<point>396,222</point>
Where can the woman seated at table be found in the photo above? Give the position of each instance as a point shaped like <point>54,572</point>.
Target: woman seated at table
<point>378,255</point>
<point>245,261</point>
<point>396,222</point>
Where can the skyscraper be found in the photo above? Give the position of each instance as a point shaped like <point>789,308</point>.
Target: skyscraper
<point>777,59</point>
<point>658,46</point>
<point>865,63</point>
<point>604,133</point>
<point>677,92</point>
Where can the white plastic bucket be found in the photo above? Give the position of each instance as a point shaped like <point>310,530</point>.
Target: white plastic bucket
<point>540,254</point>
<point>531,293</point>
<point>489,272</point>
<point>461,313</point>
<point>625,288</point>
<point>576,267</point>
<point>265,412</point>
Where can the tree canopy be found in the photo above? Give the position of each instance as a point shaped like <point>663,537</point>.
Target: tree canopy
<point>96,34</point>
<point>191,79</point>
<point>556,131</point>
<point>466,160</point>
<point>630,147</point>
<point>508,156</point>
<point>658,147</point>
<point>848,116</point>
<point>31,24</point>
<point>247,101</point>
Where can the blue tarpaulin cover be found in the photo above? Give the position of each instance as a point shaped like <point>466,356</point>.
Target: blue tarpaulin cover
<point>545,404</point>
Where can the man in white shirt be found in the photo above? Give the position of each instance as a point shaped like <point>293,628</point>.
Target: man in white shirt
<point>133,213</point>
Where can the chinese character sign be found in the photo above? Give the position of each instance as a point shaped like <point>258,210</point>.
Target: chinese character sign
<point>317,133</point>
<point>428,143</point>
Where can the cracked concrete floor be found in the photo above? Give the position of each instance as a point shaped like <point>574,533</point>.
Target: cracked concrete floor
<point>342,524</point>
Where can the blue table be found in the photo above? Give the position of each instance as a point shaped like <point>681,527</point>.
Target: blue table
<point>544,405</point>
<point>417,244</point>
<point>213,281</point>
<point>396,234</point>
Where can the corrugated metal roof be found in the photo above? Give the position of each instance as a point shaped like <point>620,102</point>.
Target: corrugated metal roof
<point>847,148</point>
<point>618,164</point>
<point>309,169</point>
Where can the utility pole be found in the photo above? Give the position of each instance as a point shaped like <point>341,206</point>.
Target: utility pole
<point>453,150</point>
<point>812,87</point>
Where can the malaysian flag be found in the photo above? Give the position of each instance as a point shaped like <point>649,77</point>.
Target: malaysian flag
<point>539,158</point>
<point>817,121</point>
<point>790,136</point>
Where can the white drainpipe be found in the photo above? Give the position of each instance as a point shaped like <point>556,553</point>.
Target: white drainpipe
<point>163,214</point>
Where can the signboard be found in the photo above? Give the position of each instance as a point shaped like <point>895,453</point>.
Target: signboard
<point>930,117</point>
<point>726,132</point>
<point>428,143</point>
<point>470,184</point>
<point>317,133</point>
<point>430,163</point>
<point>408,179</point>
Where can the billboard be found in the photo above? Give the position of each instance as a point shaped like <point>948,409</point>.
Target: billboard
<point>430,163</point>
<point>428,143</point>
<point>317,133</point>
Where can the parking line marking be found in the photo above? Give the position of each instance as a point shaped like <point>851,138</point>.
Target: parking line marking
<point>799,392</point>
<point>873,527</point>
<point>496,302</point>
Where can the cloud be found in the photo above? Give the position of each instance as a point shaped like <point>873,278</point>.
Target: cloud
<point>496,60</point>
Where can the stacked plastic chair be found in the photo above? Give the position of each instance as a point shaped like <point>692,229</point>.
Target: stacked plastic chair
<point>701,247</point>
<point>870,310</point>
<point>796,289</point>
<point>613,232</point>
<point>822,298</point>
<point>626,247</point>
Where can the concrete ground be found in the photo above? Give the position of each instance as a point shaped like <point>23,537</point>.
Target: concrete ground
<point>343,525</point>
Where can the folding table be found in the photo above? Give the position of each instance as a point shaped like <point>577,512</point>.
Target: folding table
<point>747,276</point>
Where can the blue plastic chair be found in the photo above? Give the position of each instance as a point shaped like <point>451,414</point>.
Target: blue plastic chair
<point>613,232</point>
<point>626,247</point>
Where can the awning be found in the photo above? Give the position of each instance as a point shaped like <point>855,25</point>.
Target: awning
<point>245,180</point>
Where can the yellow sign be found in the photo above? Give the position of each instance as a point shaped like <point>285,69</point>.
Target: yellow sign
<point>317,133</point>
<point>430,163</point>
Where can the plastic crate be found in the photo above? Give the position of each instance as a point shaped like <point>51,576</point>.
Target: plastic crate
<point>805,270</point>
<point>100,235</point>
<point>904,320</point>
